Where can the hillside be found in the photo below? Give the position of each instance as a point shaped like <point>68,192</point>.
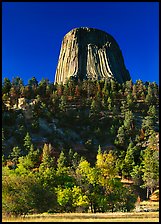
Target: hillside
<point>80,115</point>
<point>83,117</point>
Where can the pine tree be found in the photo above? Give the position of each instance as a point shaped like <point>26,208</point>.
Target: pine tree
<point>149,96</point>
<point>27,142</point>
<point>128,121</point>
<point>129,160</point>
<point>109,103</point>
<point>134,93</point>
<point>15,154</point>
<point>61,162</point>
<point>75,160</point>
<point>137,174</point>
<point>6,86</point>
<point>121,136</point>
<point>129,100</point>
<point>152,111</point>
<point>150,169</point>
<point>33,82</point>
<point>63,103</point>
<point>148,125</point>
<point>48,160</point>
<point>99,150</point>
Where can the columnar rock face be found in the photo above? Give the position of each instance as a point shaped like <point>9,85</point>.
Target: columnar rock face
<point>88,53</point>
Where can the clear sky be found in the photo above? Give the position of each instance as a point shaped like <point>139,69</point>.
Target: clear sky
<point>32,33</point>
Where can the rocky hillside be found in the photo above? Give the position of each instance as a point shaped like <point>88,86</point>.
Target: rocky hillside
<point>81,115</point>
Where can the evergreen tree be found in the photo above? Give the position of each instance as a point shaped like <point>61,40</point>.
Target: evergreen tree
<point>33,82</point>
<point>129,123</point>
<point>61,162</point>
<point>27,142</point>
<point>152,111</point>
<point>121,136</point>
<point>105,91</point>
<point>94,107</point>
<point>134,93</point>
<point>149,96</point>
<point>148,125</point>
<point>63,103</point>
<point>129,161</point>
<point>15,154</point>
<point>150,169</point>
<point>137,174</point>
<point>130,101</point>
<point>6,86</point>
<point>48,160</point>
<point>109,103</point>
<point>75,160</point>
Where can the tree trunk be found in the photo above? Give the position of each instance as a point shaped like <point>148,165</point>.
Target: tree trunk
<point>151,190</point>
<point>147,193</point>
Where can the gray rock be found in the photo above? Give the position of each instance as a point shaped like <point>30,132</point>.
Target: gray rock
<point>88,53</point>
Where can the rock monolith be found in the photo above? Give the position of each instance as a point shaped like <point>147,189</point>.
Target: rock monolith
<point>88,53</point>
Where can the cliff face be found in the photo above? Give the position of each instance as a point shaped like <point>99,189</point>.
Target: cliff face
<point>88,53</point>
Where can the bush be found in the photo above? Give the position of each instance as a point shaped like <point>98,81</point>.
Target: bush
<point>24,194</point>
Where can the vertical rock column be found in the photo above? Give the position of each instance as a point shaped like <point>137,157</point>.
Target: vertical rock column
<point>88,53</point>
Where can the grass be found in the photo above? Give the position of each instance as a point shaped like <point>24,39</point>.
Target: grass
<point>151,216</point>
<point>88,217</point>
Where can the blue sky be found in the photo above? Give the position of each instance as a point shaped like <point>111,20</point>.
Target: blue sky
<point>32,33</point>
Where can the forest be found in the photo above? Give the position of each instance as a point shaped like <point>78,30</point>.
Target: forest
<point>87,146</point>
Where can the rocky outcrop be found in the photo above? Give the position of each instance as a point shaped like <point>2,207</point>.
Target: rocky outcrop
<point>88,53</point>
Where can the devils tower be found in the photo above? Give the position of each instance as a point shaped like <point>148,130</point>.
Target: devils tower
<point>88,53</point>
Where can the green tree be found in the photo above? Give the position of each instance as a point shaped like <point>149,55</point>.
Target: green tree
<point>48,160</point>
<point>134,93</point>
<point>79,199</point>
<point>150,169</point>
<point>148,125</point>
<point>75,160</point>
<point>64,177</point>
<point>106,162</point>
<point>24,166</point>
<point>137,174</point>
<point>152,111</point>
<point>140,89</point>
<point>15,154</point>
<point>64,199</point>
<point>6,86</point>
<point>105,91</point>
<point>87,179</point>
<point>22,195</point>
<point>63,103</point>
<point>130,101</point>
<point>15,90</point>
<point>150,98</point>
<point>129,161</point>
<point>114,191</point>
<point>128,87</point>
<point>109,102</point>
<point>94,106</point>
<point>128,120</point>
<point>27,142</point>
<point>33,82</point>
<point>62,161</point>
<point>121,136</point>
